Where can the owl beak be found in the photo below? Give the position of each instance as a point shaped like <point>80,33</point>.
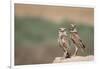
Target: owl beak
<point>62,30</point>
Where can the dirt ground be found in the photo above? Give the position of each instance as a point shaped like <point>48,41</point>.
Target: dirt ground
<point>43,55</point>
<point>36,55</point>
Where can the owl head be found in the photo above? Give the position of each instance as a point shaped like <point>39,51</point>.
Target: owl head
<point>62,29</point>
<point>73,28</point>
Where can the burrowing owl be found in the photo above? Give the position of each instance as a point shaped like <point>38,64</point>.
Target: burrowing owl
<point>78,43</point>
<point>63,41</point>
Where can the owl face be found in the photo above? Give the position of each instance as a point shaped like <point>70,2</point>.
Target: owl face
<point>73,26</point>
<point>62,29</point>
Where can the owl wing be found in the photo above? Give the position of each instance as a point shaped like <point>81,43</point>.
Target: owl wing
<point>80,42</point>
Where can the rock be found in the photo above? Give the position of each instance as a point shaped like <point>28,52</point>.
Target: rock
<point>73,59</point>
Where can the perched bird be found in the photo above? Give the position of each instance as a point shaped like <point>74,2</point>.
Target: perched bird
<point>78,43</point>
<point>63,41</point>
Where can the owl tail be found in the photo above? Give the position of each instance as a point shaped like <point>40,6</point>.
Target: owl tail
<point>82,45</point>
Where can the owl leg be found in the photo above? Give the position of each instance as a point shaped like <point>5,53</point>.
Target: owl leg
<point>65,51</point>
<point>66,54</point>
<point>76,50</point>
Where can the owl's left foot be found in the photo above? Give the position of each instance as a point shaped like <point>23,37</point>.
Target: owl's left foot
<point>68,55</point>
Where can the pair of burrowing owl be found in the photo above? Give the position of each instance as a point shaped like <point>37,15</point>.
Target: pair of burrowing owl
<point>63,40</point>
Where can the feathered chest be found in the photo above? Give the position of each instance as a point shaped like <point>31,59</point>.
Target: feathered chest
<point>62,38</point>
<point>75,37</point>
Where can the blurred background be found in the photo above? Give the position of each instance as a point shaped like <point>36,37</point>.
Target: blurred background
<point>36,31</point>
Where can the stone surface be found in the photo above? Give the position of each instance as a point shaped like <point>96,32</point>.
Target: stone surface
<point>73,59</point>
